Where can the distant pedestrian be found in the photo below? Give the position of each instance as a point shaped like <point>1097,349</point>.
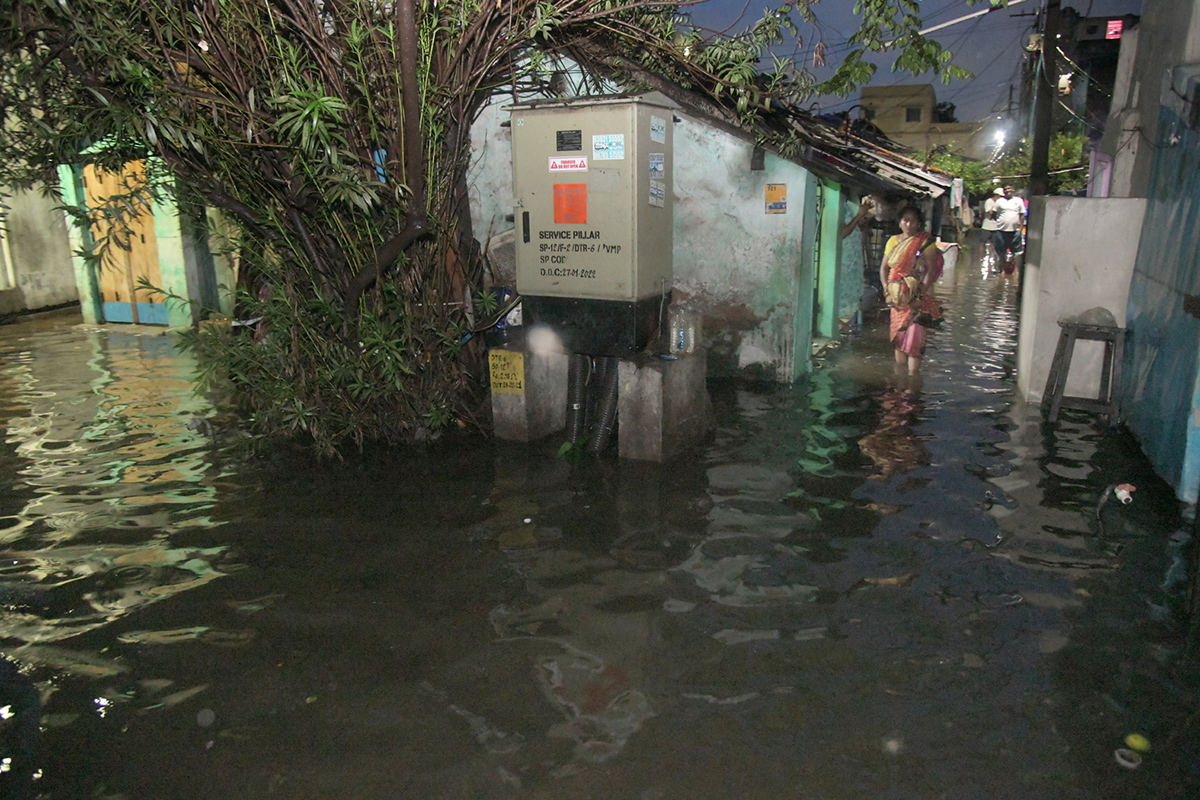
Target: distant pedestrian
<point>1010,216</point>
<point>989,226</point>
<point>911,264</point>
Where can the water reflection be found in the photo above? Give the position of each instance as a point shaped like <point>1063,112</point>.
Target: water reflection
<point>893,446</point>
<point>106,471</point>
<point>859,587</point>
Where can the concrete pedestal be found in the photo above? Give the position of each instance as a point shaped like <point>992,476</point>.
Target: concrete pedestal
<point>663,407</point>
<point>529,394</point>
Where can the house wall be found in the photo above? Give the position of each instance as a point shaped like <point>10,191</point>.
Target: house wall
<point>1162,385</point>
<point>968,139</point>
<point>35,257</point>
<point>889,107</point>
<point>748,273</point>
<point>1167,34</point>
<point>181,257</point>
<point>1079,256</point>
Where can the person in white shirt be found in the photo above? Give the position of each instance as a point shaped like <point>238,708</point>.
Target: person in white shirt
<point>989,224</point>
<point>1009,212</point>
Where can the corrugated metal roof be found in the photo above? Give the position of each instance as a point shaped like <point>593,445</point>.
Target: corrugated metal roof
<point>830,150</point>
<point>863,164</point>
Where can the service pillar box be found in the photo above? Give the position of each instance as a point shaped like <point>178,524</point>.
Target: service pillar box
<point>593,215</point>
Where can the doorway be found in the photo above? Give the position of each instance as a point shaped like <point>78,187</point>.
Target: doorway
<point>133,255</point>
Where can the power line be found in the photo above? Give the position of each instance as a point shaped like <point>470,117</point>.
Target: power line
<point>971,85</point>
<point>989,64</point>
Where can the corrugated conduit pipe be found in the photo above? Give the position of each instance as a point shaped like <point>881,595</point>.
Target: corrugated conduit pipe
<point>577,377</point>
<point>595,388</point>
<point>608,407</point>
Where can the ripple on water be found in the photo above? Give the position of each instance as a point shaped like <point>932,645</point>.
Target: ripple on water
<point>104,470</point>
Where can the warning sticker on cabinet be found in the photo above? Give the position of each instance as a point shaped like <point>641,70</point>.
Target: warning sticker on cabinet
<point>658,194</point>
<point>570,203</point>
<point>571,164</point>
<point>608,146</point>
<point>658,169</point>
<point>658,129</point>
<point>508,371</point>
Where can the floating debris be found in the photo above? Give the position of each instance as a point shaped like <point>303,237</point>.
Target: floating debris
<point>732,636</point>
<point>180,696</point>
<point>74,661</point>
<point>898,580</point>
<point>255,603</point>
<point>811,634</point>
<point>489,736</point>
<point>721,701</point>
<point>677,606</point>
<point>602,709</point>
<point>1138,742</point>
<point>163,637</point>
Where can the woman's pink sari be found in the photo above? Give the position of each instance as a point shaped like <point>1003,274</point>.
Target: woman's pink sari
<point>906,334</point>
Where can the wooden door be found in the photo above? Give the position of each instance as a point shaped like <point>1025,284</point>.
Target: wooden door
<point>123,268</point>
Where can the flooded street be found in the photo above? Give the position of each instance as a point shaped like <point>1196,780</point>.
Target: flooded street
<point>861,587</point>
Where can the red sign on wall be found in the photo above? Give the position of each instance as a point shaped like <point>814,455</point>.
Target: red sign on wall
<point>570,203</point>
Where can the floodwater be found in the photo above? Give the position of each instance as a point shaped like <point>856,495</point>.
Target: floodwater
<point>861,586</point>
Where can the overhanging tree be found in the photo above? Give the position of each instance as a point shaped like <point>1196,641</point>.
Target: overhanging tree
<point>335,136</point>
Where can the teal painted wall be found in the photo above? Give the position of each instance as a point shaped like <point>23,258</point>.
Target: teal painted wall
<point>70,177</point>
<point>1161,397</point>
<point>749,272</point>
<point>802,320</point>
<point>830,255</point>
<point>172,232</point>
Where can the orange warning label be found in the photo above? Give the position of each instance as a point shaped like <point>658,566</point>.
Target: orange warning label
<point>570,203</point>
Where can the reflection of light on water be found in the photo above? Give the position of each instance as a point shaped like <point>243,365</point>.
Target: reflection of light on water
<point>110,580</point>
<point>122,441</point>
<point>102,704</point>
<point>98,424</point>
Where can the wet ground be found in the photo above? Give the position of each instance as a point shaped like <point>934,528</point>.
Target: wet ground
<point>862,586</point>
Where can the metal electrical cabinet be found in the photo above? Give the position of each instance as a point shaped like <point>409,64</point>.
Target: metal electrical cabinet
<point>593,215</point>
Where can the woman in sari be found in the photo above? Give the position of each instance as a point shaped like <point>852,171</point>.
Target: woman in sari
<point>911,264</point>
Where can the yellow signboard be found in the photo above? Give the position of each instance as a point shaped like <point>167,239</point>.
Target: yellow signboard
<point>508,371</point>
<point>776,198</point>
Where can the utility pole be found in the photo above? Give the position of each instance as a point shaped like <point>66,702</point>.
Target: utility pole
<point>1046,86</point>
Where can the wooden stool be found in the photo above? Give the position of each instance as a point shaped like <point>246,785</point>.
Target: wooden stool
<point>1109,400</point>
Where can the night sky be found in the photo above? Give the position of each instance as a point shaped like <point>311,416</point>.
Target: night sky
<point>991,46</point>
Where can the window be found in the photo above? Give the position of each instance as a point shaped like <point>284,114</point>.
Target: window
<point>912,114</point>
